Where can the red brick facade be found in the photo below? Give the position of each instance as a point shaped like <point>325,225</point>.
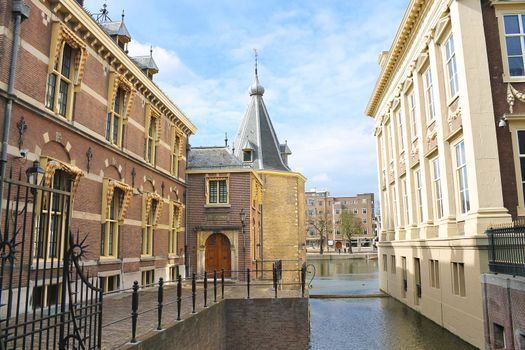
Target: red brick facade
<point>51,136</point>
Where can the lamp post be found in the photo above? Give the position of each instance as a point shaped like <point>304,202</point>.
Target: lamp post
<point>242,215</point>
<point>34,174</point>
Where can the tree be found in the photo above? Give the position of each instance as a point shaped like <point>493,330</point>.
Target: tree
<point>350,226</point>
<point>321,226</point>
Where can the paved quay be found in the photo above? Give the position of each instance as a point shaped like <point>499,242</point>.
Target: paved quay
<point>116,322</point>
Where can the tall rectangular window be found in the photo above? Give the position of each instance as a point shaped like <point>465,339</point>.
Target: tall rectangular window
<point>450,56</point>
<point>461,173</point>
<point>385,263</point>
<point>438,195</point>
<point>150,141</point>
<point>413,113</point>
<point>114,119</point>
<point>110,229</point>
<point>419,190</point>
<point>394,206</point>
<point>174,229</point>
<point>521,150</point>
<point>514,42</point>
<point>175,151</point>
<point>53,221</point>
<point>59,83</point>
<point>405,201</point>
<point>218,191</point>
<point>400,122</point>
<point>390,142</point>
<point>404,276</point>
<point>429,95</point>
<point>149,229</point>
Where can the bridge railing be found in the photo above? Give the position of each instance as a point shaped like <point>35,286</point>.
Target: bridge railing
<point>199,292</point>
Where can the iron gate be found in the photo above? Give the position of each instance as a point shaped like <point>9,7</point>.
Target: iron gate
<point>47,299</point>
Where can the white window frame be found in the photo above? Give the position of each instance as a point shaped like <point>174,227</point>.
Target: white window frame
<point>429,94</point>
<point>419,194</point>
<point>452,71</point>
<point>438,190</point>
<point>461,178</point>
<point>400,129</point>
<point>413,114</point>
<point>521,35</point>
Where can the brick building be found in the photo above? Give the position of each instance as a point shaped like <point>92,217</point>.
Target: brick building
<point>321,207</point>
<point>252,176</point>
<point>225,212</point>
<point>103,130</point>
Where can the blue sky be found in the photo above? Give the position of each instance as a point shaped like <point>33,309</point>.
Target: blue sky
<point>317,62</point>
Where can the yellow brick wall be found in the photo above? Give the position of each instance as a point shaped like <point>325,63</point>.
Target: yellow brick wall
<point>283,220</point>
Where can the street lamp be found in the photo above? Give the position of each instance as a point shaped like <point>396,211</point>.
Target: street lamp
<point>33,174</point>
<point>242,216</point>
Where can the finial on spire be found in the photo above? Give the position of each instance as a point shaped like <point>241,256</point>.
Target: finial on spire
<point>122,15</point>
<point>226,139</point>
<point>255,54</point>
<point>151,51</point>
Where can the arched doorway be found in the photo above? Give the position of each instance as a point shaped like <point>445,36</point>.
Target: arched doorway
<point>218,254</point>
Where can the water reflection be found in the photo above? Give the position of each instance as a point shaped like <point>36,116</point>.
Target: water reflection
<point>373,323</point>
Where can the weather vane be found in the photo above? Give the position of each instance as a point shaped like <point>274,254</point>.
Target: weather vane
<point>255,53</point>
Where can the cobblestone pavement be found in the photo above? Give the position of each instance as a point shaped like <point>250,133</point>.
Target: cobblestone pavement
<point>116,321</point>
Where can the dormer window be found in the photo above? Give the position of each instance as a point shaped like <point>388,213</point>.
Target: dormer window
<point>247,155</point>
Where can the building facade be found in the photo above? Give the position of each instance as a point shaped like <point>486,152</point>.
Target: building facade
<point>448,108</point>
<point>225,213</point>
<point>102,130</point>
<point>325,210</point>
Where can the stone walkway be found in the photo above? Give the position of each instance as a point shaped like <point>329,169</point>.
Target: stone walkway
<point>116,322</point>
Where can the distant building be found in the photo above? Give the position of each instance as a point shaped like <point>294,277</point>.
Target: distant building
<point>253,177</point>
<point>325,210</point>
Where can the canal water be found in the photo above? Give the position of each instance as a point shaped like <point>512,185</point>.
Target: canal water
<point>371,323</point>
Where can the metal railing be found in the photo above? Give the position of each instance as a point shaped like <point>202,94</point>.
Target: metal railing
<point>507,249</point>
<point>217,287</point>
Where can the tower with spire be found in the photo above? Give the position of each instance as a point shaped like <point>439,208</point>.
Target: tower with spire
<point>256,142</point>
<point>283,213</point>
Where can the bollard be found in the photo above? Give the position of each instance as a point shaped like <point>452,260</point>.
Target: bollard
<point>179,295</point>
<point>303,279</point>
<point>222,283</point>
<point>214,286</point>
<point>193,292</point>
<point>160,299</point>
<point>205,289</point>
<point>248,282</point>
<point>134,309</point>
<point>274,272</point>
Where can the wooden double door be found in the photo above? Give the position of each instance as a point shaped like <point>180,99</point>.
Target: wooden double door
<point>218,254</point>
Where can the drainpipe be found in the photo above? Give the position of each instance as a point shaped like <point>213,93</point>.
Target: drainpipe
<point>186,224</point>
<point>20,12</point>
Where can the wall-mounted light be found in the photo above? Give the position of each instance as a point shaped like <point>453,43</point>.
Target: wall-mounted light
<point>502,123</point>
<point>34,174</point>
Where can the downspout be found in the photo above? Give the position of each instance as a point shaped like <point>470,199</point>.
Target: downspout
<point>186,225</point>
<point>20,12</point>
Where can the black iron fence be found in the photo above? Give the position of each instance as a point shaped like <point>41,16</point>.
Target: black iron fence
<point>206,289</point>
<point>507,249</point>
<point>47,300</point>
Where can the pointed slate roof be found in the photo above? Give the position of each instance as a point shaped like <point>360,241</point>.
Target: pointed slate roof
<point>116,28</point>
<point>257,131</point>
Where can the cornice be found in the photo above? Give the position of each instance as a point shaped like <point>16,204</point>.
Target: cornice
<point>88,29</point>
<point>403,36</point>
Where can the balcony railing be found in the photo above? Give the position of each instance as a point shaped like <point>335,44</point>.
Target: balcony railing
<point>507,249</point>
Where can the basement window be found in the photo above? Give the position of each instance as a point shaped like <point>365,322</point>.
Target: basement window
<point>499,336</point>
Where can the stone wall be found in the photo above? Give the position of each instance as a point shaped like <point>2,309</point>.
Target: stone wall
<point>504,311</point>
<point>240,324</point>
